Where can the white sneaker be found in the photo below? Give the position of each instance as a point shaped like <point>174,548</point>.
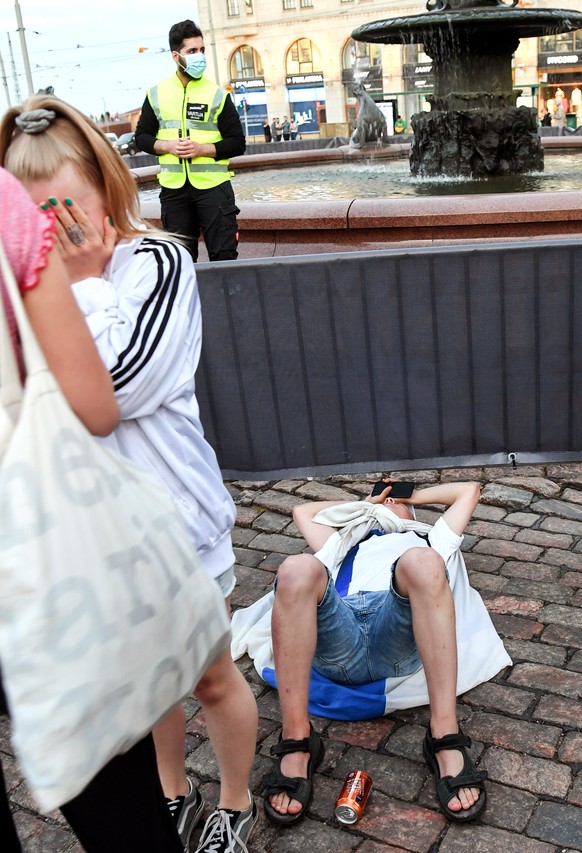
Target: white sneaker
<point>228,831</point>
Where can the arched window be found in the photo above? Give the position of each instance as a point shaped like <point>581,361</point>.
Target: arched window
<point>361,55</point>
<point>245,63</point>
<point>302,57</point>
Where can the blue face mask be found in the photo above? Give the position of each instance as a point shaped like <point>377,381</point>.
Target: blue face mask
<point>195,64</point>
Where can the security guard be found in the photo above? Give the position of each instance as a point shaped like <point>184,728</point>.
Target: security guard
<point>192,126</point>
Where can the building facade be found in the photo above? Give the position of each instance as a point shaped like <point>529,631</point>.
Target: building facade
<point>296,59</point>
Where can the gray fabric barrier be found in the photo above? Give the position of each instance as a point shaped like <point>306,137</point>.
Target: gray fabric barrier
<point>393,359</point>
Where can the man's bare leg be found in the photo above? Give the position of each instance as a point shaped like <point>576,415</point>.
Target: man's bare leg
<point>420,576</point>
<point>301,585</point>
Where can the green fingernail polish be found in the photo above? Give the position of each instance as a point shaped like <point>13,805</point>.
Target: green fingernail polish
<point>110,220</point>
<point>68,202</point>
<point>44,206</point>
<point>53,201</point>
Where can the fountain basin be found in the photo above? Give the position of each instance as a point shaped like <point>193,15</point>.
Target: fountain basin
<point>474,127</point>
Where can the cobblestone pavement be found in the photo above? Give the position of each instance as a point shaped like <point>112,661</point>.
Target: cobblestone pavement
<point>524,554</point>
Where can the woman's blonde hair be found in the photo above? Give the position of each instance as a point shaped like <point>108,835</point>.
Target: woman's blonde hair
<point>70,138</point>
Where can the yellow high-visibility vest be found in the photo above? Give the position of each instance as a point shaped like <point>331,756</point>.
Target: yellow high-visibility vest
<point>189,111</point>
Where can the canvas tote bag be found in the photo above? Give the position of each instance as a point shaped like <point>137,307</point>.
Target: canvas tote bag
<point>106,617</point>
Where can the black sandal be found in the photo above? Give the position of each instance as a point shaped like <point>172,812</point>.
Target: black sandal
<point>295,787</point>
<point>448,786</point>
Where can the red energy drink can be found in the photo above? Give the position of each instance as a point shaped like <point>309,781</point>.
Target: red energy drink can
<point>352,800</point>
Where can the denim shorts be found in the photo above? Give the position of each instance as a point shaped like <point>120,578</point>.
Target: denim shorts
<point>365,637</point>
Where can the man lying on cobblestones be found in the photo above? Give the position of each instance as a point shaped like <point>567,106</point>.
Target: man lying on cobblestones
<point>397,614</point>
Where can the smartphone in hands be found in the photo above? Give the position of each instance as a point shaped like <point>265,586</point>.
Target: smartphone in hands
<point>400,489</point>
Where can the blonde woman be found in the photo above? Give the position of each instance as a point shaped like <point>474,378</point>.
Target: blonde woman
<point>137,290</point>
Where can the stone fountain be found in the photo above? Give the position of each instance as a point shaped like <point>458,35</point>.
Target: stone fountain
<point>474,127</point>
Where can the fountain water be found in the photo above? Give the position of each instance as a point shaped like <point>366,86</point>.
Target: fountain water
<point>474,127</point>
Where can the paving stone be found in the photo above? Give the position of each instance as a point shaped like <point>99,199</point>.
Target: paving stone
<point>573,495</point>
<point>491,530</point>
<point>572,579</point>
<point>278,501</point>
<point>557,824</point>
<point>537,775</point>
<point>271,522</point>
<point>242,536</point>
<point>401,824</point>
<point>323,492</point>
<point>559,710</point>
<point>245,515</point>
<point>487,583</point>
<point>288,485</point>
<point>423,477</point>
<point>520,650</point>
<point>461,475</point>
<point>522,519</point>
<point>40,836</point>
<point>394,776</point>
<point>539,485</point>
<point>514,605</point>
<point>563,509</point>
<point>514,626</point>
<point>545,539</point>
<point>547,678</point>
<point>508,808</point>
<point>486,512</point>
<point>292,530</point>
<point>374,847</point>
<point>576,662</point>
<point>568,471</point>
<point>269,706</point>
<point>561,525</point>
<point>548,592</point>
<point>519,735</point>
<point>366,733</point>
<point>502,698</point>
<point>468,542</point>
<point>494,473</point>
<point>407,742</point>
<point>561,635</point>
<point>313,836</point>
<point>575,795</point>
<point>557,557</point>
<point>277,542</point>
<point>484,839</point>
<point>557,613</point>
<point>272,562</point>
<point>506,496</point>
<point>571,750</point>
<point>246,557</point>
<point>427,516</point>
<point>483,562</point>
<point>508,550</point>
<point>248,582</point>
<point>529,571</point>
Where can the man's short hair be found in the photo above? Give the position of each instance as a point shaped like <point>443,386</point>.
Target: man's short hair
<point>182,31</point>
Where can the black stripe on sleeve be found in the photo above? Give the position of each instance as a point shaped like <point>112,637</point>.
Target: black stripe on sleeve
<point>155,313</point>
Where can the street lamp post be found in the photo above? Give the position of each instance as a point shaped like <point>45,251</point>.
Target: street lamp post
<point>213,42</point>
<point>24,48</point>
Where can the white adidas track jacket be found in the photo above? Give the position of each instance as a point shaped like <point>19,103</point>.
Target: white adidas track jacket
<point>144,315</point>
